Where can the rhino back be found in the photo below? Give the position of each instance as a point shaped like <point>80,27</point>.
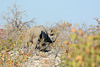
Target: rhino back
<point>38,29</point>
<point>34,32</point>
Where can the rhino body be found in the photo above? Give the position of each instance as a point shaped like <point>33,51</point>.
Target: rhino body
<point>40,37</point>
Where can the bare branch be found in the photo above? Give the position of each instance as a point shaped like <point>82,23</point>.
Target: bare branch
<point>14,19</point>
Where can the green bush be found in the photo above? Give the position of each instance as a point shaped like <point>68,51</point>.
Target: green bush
<point>85,53</point>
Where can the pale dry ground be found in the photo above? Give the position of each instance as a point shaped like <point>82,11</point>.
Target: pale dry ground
<point>44,59</point>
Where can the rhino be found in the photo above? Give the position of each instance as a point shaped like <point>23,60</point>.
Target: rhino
<point>40,37</point>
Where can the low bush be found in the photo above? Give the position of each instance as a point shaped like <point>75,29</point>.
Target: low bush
<point>83,50</point>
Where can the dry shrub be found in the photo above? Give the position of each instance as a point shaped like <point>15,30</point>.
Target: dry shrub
<point>85,52</point>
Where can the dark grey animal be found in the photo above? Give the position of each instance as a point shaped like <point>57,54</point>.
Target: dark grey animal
<point>40,37</point>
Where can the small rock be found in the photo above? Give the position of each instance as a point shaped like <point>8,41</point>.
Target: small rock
<point>57,61</point>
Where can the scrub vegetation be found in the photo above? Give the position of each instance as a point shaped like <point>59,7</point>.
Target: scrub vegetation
<point>80,45</point>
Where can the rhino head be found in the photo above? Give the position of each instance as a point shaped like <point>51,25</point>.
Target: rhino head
<point>52,35</point>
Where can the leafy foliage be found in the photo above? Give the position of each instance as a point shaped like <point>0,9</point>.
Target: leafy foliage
<point>85,52</point>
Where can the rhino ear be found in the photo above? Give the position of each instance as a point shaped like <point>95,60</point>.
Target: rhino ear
<point>51,31</point>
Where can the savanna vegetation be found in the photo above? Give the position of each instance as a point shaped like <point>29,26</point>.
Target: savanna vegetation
<point>81,45</point>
